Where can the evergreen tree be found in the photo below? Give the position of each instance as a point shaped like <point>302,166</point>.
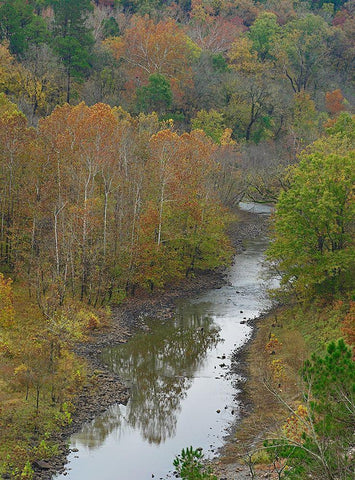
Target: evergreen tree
<point>72,40</point>
<point>20,26</point>
<point>320,446</point>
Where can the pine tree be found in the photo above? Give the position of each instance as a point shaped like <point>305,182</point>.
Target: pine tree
<point>72,40</point>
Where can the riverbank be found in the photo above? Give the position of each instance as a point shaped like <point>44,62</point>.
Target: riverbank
<point>270,364</point>
<point>263,413</point>
<point>103,387</point>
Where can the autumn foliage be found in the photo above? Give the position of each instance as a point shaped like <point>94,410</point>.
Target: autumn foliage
<point>110,203</point>
<point>334,102</point>
<point>174,110</point>
<point>148,47</point>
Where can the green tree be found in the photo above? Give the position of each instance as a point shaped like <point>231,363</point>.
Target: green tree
<point>313,242</point>
<point>251,107</point>
<point>253,103</point>
<point>20,26</point>
<point>189,467</point>
<point>110,28</point>
<point>332,382</point>
<point>72,40</point>
<point>302,50</point>
<point>343,127</point>
<point>264,33</point>
<point>319,436</point>
<point>156,96</point>
<point>319,3</point>
<point>211,123</point>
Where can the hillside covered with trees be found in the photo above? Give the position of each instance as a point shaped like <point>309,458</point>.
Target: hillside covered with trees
<point>129,132</point>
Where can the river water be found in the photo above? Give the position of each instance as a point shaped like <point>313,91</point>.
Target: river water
<point>182,392</point>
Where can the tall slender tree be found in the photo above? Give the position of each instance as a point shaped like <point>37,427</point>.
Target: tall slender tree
<point>72,40</point>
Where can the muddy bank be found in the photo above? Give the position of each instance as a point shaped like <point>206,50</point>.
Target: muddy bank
<point>229,465</point>
<point>264,413</point>
<point>104,388</point>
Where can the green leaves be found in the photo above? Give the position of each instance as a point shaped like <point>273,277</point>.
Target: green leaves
<point>20,26</point>
<point>323,450</point>
<point>73,56</point>
<point>302,49</point>
<point>156,96</point>
<point>332,382</point>
<point>212,123</point>
<point>264,34</point>
<point>72,40</point>
<point>313,231</point>
<point>189,467</point>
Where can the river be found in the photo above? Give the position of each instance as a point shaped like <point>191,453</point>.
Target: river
<point>182,390</point>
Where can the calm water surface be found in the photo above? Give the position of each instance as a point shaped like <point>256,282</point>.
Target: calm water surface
<point>178,374</point>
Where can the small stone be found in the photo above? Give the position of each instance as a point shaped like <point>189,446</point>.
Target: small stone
<point>43,465</point>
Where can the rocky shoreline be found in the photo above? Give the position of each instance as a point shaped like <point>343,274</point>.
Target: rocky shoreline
<point>104,388</point>
<point>222,465</point>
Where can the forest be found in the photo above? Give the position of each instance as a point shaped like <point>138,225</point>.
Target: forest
<point>129,133</point>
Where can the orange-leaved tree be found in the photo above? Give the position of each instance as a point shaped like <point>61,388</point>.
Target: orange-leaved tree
<point>182,222</point>
<point>148,48</point>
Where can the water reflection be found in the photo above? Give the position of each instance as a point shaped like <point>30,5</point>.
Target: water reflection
<point>181,394</point>
<point>94,434</point>
<point>159,369</point>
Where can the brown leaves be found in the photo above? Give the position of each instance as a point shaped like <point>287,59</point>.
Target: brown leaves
<point>334,102</point>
